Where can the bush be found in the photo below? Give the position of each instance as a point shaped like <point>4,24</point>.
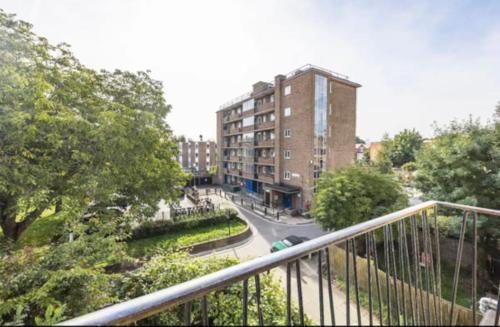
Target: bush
<point>160,227</point>
<point>51,283</point>
<point>185,238</point>
<point>409,166</point>
<point>356,194</point>
<point>224,307</point>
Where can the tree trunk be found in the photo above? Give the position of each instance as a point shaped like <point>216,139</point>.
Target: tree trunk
<point>10,228</point>
<point>13,229</point>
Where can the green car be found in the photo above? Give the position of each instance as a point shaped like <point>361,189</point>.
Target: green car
<point>287,242</point>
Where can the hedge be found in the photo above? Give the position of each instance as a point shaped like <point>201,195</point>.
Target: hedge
<point>160,227</point>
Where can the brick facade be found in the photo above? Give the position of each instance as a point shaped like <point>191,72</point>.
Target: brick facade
<point>268,176</point>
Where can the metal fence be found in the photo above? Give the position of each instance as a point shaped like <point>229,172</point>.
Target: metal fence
<point>409,288</point>
<point>245,201</point>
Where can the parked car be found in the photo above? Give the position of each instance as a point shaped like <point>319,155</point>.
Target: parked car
<point>287,242</point>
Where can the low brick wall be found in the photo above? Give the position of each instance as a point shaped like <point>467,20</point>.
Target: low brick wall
<point>220,243</point>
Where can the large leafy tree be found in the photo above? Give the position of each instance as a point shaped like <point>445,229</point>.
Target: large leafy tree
<point>356,194</point>
<point>73,136</point>
<point>462,165</point>
<point>403,147</point>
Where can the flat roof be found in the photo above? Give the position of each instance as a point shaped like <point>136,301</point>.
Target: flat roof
<point>332,74</point>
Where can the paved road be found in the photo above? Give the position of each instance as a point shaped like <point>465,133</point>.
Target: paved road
<point>264,233</point>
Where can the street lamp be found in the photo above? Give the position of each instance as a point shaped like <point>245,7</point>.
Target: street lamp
<point>228,215</point>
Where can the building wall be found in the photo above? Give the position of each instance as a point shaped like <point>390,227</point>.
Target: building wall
<point>193,154</point>
<point>342,121</point>
<point>220,154</point>
<point>375,148</point>
<point>340,130</point>
<point>300,122</point>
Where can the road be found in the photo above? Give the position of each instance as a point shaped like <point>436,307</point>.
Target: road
<point>264,233</point>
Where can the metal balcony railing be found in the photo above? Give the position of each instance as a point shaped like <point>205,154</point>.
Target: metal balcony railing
<point>409,290</point>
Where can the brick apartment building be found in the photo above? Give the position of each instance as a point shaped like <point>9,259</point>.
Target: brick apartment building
<point>197,157</point>
<point>276,140</point>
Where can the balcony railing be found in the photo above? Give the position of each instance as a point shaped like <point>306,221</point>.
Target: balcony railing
<point>410,290</point>
<point>230,171</point>
<point>265,160</point>
<point>267,106</point>
<point>232,118</point>
<point>264,143</point>
<point>264,125</point>
<point>266,178</point>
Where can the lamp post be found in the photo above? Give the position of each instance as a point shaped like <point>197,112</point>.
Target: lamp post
<point>228,215</point>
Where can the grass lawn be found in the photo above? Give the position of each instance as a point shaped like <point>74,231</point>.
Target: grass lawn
<point>140,248</point>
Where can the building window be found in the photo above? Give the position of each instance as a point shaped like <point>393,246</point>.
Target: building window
<point>330,131</point>
<point>248,105</point>
<point>330,109</point>
<point>248,137</point>
<point>288,89</point>
<point>320,122</point>
<point>287,175</point>
<point>331,87</point>
<point>288,132</point>
<point>272,98</point>
<point>272,117</point>
<point>249,121</point>
<point>287,154</point>
<point>288,112</point>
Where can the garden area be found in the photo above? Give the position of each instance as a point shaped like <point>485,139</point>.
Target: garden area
<point>214,226</point>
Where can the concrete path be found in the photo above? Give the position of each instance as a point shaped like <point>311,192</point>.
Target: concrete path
<point>265,232</point>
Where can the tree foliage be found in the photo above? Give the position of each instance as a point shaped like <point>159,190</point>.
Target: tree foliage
<point>462,165</point>
<point>403,147</point>
<point>48,284</point>
<point>225,307</point>
<point>72,135</point>
<point>359,140</point>
<point>356,194</point>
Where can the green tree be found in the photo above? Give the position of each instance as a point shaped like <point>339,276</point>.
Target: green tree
<point>48,284</point>
<point>356,194</point>
<point>72,136</point>
<point>496,115</point>
<point>462,165</point>
<point>404,146</point>
<point>225,309</point>
<point>360,140</point>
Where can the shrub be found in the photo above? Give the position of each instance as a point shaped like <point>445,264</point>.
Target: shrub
<point>224,307</point>
<point>159,227</point>
<point>356,194</point>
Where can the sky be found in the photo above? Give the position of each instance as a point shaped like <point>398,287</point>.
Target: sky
<point>418,62</point>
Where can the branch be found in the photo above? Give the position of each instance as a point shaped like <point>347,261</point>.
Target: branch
<point>30,218</point>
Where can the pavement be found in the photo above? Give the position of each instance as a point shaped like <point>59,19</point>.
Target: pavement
<point>264,233</point>
<point>284,218</point>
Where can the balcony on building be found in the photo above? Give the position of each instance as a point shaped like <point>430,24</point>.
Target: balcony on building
<point>264,160</point>
<point>265,177</point>
<point>264,143</point>
<point>264,125</point>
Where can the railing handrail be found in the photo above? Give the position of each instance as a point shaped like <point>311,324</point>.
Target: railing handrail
<point>150,304</point>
